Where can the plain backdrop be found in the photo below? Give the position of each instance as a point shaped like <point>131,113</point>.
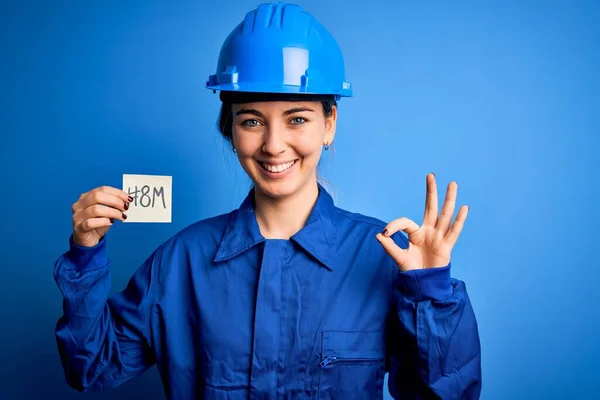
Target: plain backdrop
<point>501,96</point>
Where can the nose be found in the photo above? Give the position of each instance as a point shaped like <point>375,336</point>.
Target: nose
<point>275,141</point>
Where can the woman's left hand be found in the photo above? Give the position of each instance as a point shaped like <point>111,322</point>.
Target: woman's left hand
<point>431,243</point>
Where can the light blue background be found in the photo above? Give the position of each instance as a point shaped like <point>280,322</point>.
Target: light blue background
<point>502,97</point>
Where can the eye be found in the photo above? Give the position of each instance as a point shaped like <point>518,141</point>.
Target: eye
<point>250,123</point>
<point>297,121</point>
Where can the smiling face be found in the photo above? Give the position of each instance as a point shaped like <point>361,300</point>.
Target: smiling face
<point>279,143</point>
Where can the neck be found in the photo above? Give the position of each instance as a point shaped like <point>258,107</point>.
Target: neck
<point>282,218</point>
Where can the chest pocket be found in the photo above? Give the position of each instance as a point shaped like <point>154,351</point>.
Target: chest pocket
<point>352,365</point>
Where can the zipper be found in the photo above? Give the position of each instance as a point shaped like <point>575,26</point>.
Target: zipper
<point>333,359</point>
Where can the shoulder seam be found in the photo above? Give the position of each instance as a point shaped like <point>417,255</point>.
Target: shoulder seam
<point>365,219</point>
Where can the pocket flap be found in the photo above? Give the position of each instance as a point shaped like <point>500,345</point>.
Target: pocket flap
<point>349,344</point>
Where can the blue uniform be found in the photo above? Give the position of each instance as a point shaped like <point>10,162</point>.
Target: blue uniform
<point>226,314</point>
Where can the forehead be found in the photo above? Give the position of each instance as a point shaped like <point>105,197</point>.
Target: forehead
<point>274,106</point>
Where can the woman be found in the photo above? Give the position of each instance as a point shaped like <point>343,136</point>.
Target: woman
<point>288,296</point>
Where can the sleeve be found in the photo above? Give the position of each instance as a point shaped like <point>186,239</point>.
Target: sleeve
<point>433,340</point>
<point>102,341</point>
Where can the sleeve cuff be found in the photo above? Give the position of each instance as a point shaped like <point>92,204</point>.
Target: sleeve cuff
<point>425,284</point>
<point>87,258</point>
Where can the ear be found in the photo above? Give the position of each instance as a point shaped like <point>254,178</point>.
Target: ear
<point>330,125</point>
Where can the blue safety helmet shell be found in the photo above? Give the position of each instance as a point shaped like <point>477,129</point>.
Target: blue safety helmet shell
<point>280,48</point>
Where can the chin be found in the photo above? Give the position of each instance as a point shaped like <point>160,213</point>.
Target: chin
<point>277,190</point>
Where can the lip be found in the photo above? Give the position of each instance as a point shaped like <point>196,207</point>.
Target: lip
<point>276,162</point>
<point>276,175</point>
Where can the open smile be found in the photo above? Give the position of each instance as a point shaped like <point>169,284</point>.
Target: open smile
<point>277,168</point>
<point>277,171</point>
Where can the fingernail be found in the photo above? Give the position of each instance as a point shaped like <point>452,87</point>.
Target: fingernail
<point>126,206</point>
<point>385,232</point>
<point>124,216</point>
<point>130,199</point>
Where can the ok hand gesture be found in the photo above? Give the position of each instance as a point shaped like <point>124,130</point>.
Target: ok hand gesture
<point>431,243</point>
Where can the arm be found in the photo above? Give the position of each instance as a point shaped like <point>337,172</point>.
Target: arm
<point>434,349</point>
<point>103,342</point>
<point>433,340</point>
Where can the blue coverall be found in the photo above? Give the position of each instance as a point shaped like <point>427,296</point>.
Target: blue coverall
<point>226,314</point>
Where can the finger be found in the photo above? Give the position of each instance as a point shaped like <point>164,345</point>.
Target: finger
<point>93,223</point>
<point>121,194</point>
<point>431,202</point>
<point>77,205</point>
<point>106,197</point>
<point>98,211</point>
<point>401,224</point>
<point>397,253</point>
<point>457,226</point>
<point>443,223</point>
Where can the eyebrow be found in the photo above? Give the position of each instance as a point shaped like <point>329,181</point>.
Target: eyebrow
<point>257,113</point>
<point>297,110</point>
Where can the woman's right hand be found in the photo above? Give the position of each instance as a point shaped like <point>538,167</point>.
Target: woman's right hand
<point>95,211</point>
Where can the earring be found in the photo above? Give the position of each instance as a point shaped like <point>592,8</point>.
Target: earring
<point>234,150</point>
<point>326,147</point>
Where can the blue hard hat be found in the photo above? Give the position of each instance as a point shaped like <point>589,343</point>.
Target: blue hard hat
<point>280,48</point>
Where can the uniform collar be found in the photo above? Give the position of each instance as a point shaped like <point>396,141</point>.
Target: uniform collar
<point>317,237</point>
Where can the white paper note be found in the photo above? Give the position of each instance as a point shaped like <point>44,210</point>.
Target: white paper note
<point>151,197</point>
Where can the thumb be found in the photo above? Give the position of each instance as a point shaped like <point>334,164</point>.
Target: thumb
<point>394,251</point>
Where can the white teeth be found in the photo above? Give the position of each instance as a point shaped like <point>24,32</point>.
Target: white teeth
<point>278,168</point>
